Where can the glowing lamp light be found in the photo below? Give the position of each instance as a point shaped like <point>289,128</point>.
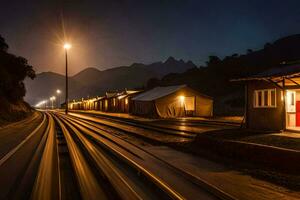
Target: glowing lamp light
<point>52,98</point>
<point>58,91</point>
<point>67,46</point>
<point>181,99</point>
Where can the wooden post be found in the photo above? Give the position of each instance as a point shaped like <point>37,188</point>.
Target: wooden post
<point>284,108</point>
<point>195,105</point>
<point>246,106</point>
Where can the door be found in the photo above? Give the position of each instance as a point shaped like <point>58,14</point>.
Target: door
<point>297,113</point>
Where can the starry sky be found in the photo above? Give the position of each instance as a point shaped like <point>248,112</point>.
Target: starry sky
<point>111,33</point>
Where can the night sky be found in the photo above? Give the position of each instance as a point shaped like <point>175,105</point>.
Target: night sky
<point>112,33</point>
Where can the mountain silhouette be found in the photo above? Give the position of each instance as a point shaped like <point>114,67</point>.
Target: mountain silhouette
<point>93,82</point>
<point>214,78</point>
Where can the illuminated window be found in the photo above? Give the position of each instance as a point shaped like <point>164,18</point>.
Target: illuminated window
<point>126,101</point>
<point>264,98</point>
<point>105,104</point>
<point>290,101</point>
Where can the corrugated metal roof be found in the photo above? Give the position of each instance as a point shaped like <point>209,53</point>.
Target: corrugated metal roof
<point>282,71</point>
<point>157,93</point>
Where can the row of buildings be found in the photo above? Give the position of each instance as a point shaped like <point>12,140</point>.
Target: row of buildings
<point>163,102</point>
<point>272,101</point>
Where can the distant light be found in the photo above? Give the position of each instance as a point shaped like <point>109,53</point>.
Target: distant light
<point>58,91</point>
<point>67,46</point>
<point>52,98</point>
<point>40,103</point>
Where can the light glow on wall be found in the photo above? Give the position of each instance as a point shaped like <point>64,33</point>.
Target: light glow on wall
<point>181,99</point>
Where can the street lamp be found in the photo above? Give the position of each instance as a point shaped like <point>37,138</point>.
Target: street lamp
<point>67,46</point>
<point>46,106</point>
<point>52,99</point>
<point>58,94</point>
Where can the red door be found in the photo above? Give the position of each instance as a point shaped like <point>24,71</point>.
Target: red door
<point>297,113</point>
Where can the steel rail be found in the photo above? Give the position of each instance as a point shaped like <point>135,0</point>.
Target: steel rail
<point>197,180</point>
<point>89,187</point>
<point>172,121</point>
<point>150,135</point>
<point>135,123</point>
<point>156,180</point>
<point>113,174</point>
<point>47,182</point>
<point>20,145</point>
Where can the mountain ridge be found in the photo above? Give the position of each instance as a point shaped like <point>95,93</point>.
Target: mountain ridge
<point>92,81</point>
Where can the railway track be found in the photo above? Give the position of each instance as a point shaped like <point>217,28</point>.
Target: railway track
<point>158,136</point>
<point>149,161</point>
<point>70,158</point>
<point>168,126</point>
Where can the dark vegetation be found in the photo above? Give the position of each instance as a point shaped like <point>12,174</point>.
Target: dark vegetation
<point>214,78</point>
<point>13,71</point>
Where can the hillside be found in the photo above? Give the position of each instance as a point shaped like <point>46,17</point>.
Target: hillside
<point>93,82</point>
<point>13,70</point>
<point>213,79</point>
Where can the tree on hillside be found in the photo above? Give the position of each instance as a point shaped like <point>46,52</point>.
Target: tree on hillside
<point>13,71</point>
<point>152,83</point>
<point>213,61</point>
<point>3,45</point>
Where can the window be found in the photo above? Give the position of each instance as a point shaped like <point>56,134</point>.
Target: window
<point>264,98</point>
<point>290,101</point>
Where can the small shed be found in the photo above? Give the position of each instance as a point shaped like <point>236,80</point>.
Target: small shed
<point>273,99</point>
<point>171,102</point>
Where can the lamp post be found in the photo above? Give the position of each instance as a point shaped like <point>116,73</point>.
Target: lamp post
<point>59,100</point>
<point>52,99</point>
<point>45,102</point>
<point>67,46</point>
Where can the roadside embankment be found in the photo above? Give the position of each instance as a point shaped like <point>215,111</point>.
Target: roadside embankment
<point>12,112</point>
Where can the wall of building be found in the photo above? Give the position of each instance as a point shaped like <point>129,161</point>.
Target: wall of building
<point>144,108</point>
<point>204,107</point>
<point>170,106</point>
<point>264,118</point>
